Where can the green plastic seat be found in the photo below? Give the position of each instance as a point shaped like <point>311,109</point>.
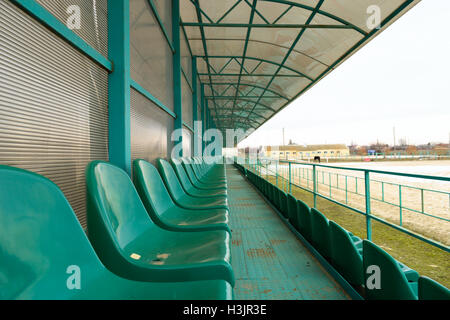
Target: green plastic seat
<point>164,212</point>
<point>41,241</point>
<point>276,197</point>
<point>213,166</point>
<point>320,233</point>
<point>189,188</point>
<point>346,254</point>
<point>304,219</point>
<point>187,164</point>
<point>131,245</point>
<point>394,284</point>
<point>180,197</point>
<point>266,189</point>
<point>204,175</point>
<point>292,210</point>
<point>283,205</point>
<point>430,289</point>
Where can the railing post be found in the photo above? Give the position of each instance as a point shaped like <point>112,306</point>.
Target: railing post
<point>400,203</point>
<point>290,188</point>
<point>276,173</point>
<point>346,192</point>
<point>314,186</point>
<point>421,198</point>
<point>367,191</point>
<point>329,181</point>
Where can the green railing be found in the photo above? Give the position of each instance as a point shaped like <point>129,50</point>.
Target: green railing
<point>288,174</point>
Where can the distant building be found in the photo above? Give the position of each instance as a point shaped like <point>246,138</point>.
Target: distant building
<point>306,152</point>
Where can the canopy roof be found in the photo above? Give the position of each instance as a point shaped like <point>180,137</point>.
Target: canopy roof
<point>256,56</point>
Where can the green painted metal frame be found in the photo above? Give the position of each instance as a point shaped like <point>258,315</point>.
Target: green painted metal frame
<point>253,86</point>
<point>297,39</point>
<point>149,96</point>
<point>42,15</point>
<point>343,24</point>
<point>259,60</point>
<point>119,84</point>
<point>366,212</point>
<point>367,36</point>
<point>205,49</point>
<point>265,25</point>
<point>247,37</point>
<point>161,25</point>
<point>177,72</point>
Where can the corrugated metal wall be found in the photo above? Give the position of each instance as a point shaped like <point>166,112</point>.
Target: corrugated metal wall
<point>151,128</point>
<point>151,56</point>
<point>53,104</point>
<point>94,20</point>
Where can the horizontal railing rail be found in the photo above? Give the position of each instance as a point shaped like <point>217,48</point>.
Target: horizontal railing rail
<point>284,173</point>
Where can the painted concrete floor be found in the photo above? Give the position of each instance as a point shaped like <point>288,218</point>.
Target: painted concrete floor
<point>269,261</point>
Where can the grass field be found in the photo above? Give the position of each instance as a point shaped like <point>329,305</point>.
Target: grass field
<point>425,258</point>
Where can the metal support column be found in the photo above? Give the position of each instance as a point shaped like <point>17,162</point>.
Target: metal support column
<point>177,95</point>
<point>119,82</point>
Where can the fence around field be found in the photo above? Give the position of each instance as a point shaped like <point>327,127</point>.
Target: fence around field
<point>415,208</point>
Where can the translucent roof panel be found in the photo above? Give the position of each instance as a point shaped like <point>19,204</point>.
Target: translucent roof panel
<point>257,56</point>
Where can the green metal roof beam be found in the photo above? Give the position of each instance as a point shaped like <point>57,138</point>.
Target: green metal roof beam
<point>262,60</point>
<point>227,115</point>
<point>235,117</point>
<point>297,39</point>
<point>251,101</point>
<point>229,10</point>
<point>262,25</point>
<point>199,9</point>
<point>325,13</point>
<point>251,75</point>
<point>282,14</point>
<point>205,49</point>
<point>346,54</point>
<point>250,85</point>
<point>232,97</point>
<point>252,14</point>
<point>257,12</point>
<point>161,24</point>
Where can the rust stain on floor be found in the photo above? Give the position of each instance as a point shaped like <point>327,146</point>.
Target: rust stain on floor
<point>261,253</point>
<point>236,242</point>
<point>275,242</point>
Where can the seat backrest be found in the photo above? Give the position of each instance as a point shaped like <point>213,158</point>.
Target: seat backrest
<point>196,169</point>
<point>283,203</point>
<point>394,285</point>
<point>432,290</point>
<point>320,232</point>
<point>151,189</point>
<point>292,210</point>
<point>40,238</point>
<point>188,167</point>
<point>344,254</point>
<point>116,214</point>
<point>181,174</point>
<point>170,179</point>
<point>304,219</point>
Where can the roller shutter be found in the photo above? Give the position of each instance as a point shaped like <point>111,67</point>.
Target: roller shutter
<point>53,105</point>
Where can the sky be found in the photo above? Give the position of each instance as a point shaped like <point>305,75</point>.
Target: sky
<point>399,79</point>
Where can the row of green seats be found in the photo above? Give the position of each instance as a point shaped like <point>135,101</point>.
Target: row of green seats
<point>349,254</point>
<point>140,245</point>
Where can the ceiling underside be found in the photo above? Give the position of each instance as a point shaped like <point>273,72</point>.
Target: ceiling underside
<point>256,56</point>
